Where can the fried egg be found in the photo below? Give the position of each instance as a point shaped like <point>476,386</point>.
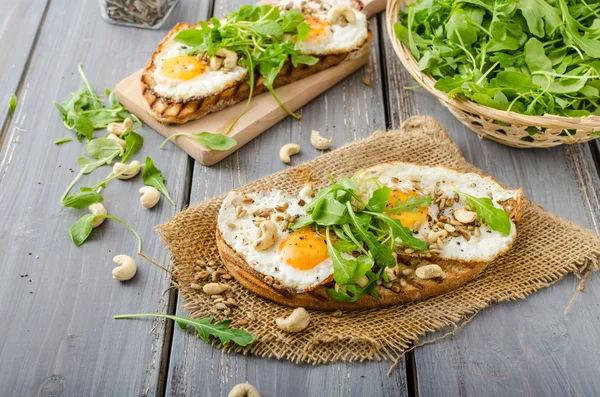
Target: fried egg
<point>477,242</point>
<point>325,38</point>
<point>297,259</point>
<point>180,75</point>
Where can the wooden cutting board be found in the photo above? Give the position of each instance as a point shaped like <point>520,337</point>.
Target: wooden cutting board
<point>263,112</point>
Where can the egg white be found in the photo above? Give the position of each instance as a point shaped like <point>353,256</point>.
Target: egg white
<point>483,248</point>
<point>243,237</point>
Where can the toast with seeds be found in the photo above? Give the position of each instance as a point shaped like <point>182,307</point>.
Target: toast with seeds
<point>204,67</point>
<point>393,233</point>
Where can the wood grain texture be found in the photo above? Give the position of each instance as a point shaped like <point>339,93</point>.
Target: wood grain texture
<point>527,347</point>
<point>58,337</point>
<point>19,25</point>
<point>347,112</point>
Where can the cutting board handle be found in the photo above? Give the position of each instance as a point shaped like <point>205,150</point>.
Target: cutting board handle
<point>372,7</point>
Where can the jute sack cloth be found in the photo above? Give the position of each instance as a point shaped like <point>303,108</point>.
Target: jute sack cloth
<point>548,247</point>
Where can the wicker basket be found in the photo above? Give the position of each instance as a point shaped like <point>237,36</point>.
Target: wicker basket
<point>508,128</point>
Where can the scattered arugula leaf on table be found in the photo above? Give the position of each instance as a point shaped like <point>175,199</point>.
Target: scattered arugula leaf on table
<point>205,327</point>
<point>152,176</point>
<point>80,231</point>
<point>62,140</point>
<point>207,139</point>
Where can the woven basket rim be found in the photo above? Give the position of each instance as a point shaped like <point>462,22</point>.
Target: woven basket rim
<point>590,122</point>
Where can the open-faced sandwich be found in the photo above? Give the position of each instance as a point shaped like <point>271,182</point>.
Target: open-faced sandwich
<point>393,233</point>
<point>204,67</point>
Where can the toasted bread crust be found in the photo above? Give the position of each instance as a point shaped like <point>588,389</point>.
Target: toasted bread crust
<point>177,111</point>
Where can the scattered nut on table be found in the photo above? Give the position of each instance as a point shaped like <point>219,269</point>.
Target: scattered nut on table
<point>287,150</point>
<point>295,322</point>
<point>120,128</point>
<point>150,196</point>
<point>127,171</point>
<point>318,141</point>
<point>244,390</point>
<point>97,209</point>
<point>126,269</point>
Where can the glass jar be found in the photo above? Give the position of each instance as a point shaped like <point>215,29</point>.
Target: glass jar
<point>149,14</point>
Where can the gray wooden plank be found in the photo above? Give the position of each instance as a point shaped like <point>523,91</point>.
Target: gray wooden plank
<point>18,27</point>
<point>58,336</point>
<point>347,112</point>
<point>527,347</point>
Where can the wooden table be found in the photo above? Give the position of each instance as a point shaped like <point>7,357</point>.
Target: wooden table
<point>57,333</point>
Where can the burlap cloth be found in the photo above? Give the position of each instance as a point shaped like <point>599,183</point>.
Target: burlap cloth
<point>548,248</point>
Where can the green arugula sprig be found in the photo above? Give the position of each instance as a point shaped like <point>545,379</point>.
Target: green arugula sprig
<point>207,139</point>
<point>366,236</point>
<point>204,327</point>
<point>81,230</point>
<point>84,111</point>
<point>528,56</point>
<point>496,218</point>
<point>263,36</point>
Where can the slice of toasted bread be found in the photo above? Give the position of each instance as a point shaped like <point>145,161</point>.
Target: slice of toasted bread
<point>410,288</point>
<point>177,111</point>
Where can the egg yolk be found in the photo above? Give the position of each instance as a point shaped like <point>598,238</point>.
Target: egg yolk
<point>303,249</point>
<point>407,219</point>
<point>318,29</point>
<point>182,67</point>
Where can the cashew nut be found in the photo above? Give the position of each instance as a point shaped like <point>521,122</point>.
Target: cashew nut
<point>307,192</point>
<point>296,322</point>
<point>132,168</point>
<point>318,141</point>
<point>214,288</point>
<point>267,237</point>
<point>429,271</point>
<point>287,150</point>
<point>150,196</point>
<point>362,282</point>
<point>126,269</point>
<point>97,209</point>
<point>244,390</point>
<point>117,139</point>
<point>464,216</point>
<point>434,236</point>
<point>120,128</point>
<point>227,58</point>
<point>341,15</point>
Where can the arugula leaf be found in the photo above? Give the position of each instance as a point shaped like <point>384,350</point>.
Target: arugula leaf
<point>382,254</point>
<point>402,232</point>
<point>496,218</point>
<point>12,104</point>
<point>413,203</point>
<point>133,143</point>
<point>379,199</point>
<point>152,176</point>
<point>205,328</point>
<point>330,212</point>
<point>87,166</point>
<point>82,199</point>
<point>212,141</point>
<point>82,125</point>
<point>82,228</point>
<point>102,148</point>
<point>346,270</point>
